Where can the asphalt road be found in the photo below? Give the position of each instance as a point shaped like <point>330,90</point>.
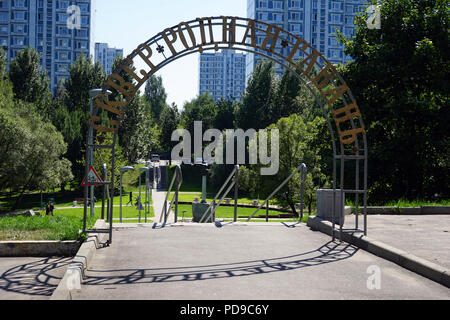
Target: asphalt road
<point>245,262</point>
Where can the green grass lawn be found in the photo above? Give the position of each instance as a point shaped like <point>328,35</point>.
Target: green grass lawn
<point>127,212</point>
<point>58,227</point>
<point>227,212</point>
<point>64,225</point>
<point>32,200</point>
<point>189,197</point>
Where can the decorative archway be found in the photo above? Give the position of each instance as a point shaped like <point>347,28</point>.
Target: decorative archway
<point>214,33</point>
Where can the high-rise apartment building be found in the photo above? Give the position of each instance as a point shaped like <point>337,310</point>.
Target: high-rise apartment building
<point>222,74</point>
<point>315,21</point>
<point>105,55</point>
<point>60,30</point>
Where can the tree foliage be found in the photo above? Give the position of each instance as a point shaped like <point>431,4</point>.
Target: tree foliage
<point>31,149</point>
<point>400,78</point>
<point>156,95</point>
<point>253,112</point>
<point>169,121</point>
<point>201,108</point>
<point>296,145</point>
<point>72,118</point>
<point>29,83</point>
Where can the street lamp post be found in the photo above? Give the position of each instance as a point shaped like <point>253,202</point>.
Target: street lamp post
<point>122,171</point>
<point>140,202</point>
<point>147,188</point>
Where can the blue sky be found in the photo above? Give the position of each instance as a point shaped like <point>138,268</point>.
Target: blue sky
<point>126,24</point>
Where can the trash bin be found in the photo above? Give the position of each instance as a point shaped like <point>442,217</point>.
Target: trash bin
<point>75,203</point>
<point>325,205</point>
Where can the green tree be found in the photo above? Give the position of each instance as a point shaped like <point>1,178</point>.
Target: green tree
<point>296,145</point>
<point>156,95</point>
<point>29,83</point>
<point>201,108</point>
<point>253,112</point>
<point>3,62</point>
<point>31,149</point>
<point>400,78</point>
<point>138,134</point>
<point>225,115</point>
<point>84,75</point>
<point>284,100</point>
<point>169,123</point>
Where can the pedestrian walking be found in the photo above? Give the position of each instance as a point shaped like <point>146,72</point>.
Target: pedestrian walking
<point>49,208</point>
<point>131,198</point>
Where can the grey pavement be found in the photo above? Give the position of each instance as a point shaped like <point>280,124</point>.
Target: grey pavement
<point>424,236</point>
<point>30,278</point>
<point>242,261</point>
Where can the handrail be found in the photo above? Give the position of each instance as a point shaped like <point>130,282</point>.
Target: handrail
<point>179,176</point>
<point>212,207</point>
<point>302,181</point>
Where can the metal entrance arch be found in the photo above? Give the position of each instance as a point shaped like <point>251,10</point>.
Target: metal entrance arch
<point>270,41</point>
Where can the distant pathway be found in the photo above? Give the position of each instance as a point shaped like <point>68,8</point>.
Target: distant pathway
<point>158,197</point>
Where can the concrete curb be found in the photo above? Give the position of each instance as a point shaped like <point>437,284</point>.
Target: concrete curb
<point>423,210</point>
<point>75,272</point>
<point>38,248</point>
<point>404,259</point>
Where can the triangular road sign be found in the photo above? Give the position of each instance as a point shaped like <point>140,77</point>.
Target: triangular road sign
<point>93,178</point>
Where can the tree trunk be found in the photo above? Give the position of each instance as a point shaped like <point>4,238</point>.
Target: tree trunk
<point>291,205</point>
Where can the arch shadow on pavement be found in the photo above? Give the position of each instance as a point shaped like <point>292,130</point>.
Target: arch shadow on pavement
<point>328,253</point>
<point>39,277</point>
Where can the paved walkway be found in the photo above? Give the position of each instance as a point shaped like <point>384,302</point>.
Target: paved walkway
<point>242,261</point>
<point>425,236</point>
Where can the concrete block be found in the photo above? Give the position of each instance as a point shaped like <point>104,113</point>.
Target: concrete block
<point>325,205</point>
<point>410,210</point>
<point>435,209</point>
<point>38,248</point>
<point>198,209</point>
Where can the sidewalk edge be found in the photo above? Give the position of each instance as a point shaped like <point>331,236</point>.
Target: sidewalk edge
<point>75,272</point>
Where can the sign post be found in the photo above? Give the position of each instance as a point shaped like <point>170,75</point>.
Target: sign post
<point>93,179</point>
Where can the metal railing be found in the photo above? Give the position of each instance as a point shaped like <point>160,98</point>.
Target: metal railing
<point>166,210</point>
<point>213,207</point>
<point>303,169</point>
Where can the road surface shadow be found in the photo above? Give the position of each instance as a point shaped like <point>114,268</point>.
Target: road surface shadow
<point>328,253</point>
<point>37,278</point>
